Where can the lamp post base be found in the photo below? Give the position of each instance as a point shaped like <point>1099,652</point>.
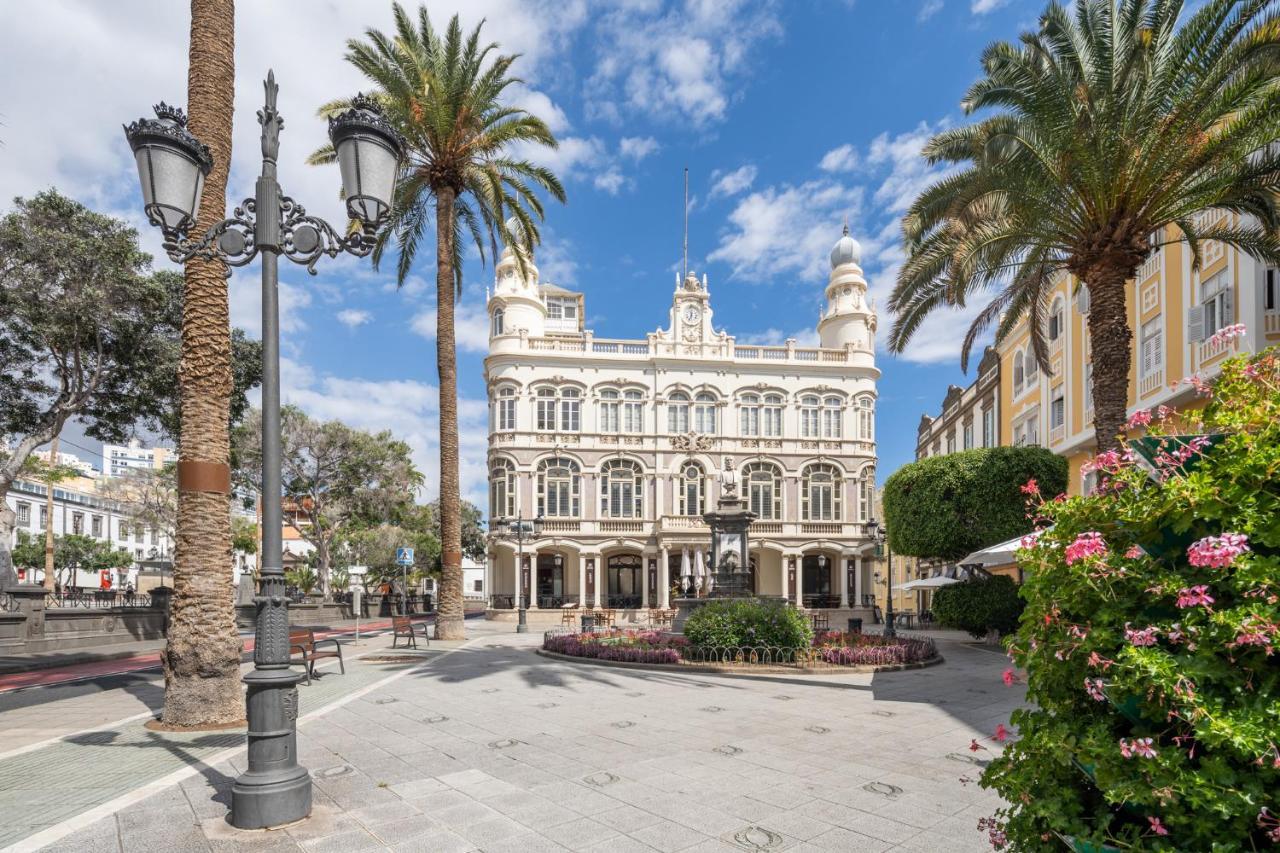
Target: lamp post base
<point>522,622</point>
<point>275,790</point>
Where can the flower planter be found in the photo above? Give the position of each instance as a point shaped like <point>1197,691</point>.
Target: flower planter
<point>1082,846</point>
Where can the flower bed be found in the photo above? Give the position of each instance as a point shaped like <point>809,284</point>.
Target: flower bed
<point>830,647</point>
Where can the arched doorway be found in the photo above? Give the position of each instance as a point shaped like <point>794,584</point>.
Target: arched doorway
<point>550,589</point>
<point>819,588</point>
<point>624,580</point>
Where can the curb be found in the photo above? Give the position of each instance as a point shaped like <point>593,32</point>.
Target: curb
<point>743,669</point>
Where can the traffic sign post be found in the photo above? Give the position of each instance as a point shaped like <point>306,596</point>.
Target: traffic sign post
<point>356,584</point>
<point>404,556</point>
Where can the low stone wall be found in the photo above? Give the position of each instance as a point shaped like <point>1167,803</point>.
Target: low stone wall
<point>32,628</point>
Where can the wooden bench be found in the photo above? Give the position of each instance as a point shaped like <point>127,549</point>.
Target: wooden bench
<point>402,626</point>
<point>303,642</point>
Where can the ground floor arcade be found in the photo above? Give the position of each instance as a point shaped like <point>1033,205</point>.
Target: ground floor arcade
<point>634,577</point>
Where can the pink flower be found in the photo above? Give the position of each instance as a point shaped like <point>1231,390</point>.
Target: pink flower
<point>1096,659</point>
<point>1228,333</point>
<point>1156,826</point>
<point>1002,734</point>
<point>1139,747</point>
<point>1202,388</point>
<point>1009,677</point>
<point>1145,637</point>
<point>1142,418</point>
<point>1269,824</point>
<point>1093,686</point>
<point>1134,553</point>
<point>1195,596</point>
<point>974,746</point>
<point>1218,552</point>
<point>1108,460</point>
<point>1088,544</point>
<point>1030,541</point>
<point>1030,487</point>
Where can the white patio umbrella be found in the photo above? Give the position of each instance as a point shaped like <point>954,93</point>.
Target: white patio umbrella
<point>686,571</point>
<point>928,583</point>
<point>708,576</point>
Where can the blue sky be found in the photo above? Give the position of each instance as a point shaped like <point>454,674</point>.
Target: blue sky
<point>789,116</point>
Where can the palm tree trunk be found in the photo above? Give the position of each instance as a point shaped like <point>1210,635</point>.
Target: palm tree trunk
<point>1110,341</point>
<point>450,624</point>
<point>202,658</point>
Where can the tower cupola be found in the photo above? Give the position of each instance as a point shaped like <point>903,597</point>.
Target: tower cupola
<point>848,318</point>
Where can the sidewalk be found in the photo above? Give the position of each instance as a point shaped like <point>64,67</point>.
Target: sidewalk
<point>487,747</point>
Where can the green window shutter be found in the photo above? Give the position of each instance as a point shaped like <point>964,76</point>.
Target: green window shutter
<point>1195,324</point>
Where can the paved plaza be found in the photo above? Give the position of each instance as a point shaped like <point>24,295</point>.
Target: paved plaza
<point>485,745</point>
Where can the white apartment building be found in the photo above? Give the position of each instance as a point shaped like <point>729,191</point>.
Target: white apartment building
<point>619,445</point>
<point>68,460</point>
<point>117,460</point>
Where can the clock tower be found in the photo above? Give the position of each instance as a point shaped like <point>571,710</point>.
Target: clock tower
<point>691,311</point>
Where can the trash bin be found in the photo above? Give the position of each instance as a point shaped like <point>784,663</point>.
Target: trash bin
<point>855,626</point>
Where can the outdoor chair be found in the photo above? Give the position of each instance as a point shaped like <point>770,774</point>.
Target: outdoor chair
<point>303,642</point>
<point>402,626</point>
<point>821,621</point>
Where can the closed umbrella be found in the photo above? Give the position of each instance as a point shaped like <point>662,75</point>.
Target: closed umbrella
<point>686,571</point>
<point>706,570</point>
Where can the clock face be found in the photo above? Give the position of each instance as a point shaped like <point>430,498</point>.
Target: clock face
<point>691,314</point>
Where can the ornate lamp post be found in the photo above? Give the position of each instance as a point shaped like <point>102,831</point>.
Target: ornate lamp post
<point>880,536</point>
<point>172,165</point>
<point>518,529</point>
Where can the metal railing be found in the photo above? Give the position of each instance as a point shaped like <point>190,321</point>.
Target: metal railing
<point>96,598</point>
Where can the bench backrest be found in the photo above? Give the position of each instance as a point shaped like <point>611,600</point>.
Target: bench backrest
<point>401,623</point>
<point>302,638</point>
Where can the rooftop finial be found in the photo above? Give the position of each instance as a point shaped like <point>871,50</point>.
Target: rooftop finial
<point>846,225</point>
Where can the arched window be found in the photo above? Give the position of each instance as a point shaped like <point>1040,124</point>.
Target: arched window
<point>678,413</point>
<point>496,322</point>
<point>502,489</point>
<point>559,488</point>
<point>866,488</point>
<point>763,482</point>
<point>1033,367</point>
<point>820,493</point>
<point>704,413</point>
<point>749,412</point>
<point>632,411</point>
<point>621,490</point>
<point>832,417</point>
<point>866,419</point>
<point>1056,319</point>
<point>610,410</point>
<point>558,409</point>
<point>772,416</point>
<point>692,487</point>
<point>809,416</point>
<point>1019,373</point>
<point>505,409</point>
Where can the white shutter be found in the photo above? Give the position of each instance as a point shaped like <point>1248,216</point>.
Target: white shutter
<point>1195,324</point>
<point>1228,306</point>
<point>1082,299</point>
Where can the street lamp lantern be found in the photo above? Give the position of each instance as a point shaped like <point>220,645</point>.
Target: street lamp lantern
<point>879,535</point>
<point>537,525</point>
<point>369,153</point>
<point>172,165</point>
<point>275,789</point>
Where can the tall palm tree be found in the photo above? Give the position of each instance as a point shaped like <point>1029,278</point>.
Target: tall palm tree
<point>1112,125</point>
<point>444,93</point>
<point>202,658</point>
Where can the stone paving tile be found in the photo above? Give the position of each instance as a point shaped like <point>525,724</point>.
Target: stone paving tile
<point>435,841</point>
<point>668,836</point>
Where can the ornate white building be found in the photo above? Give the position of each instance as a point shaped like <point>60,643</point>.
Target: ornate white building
<point>619,444</point>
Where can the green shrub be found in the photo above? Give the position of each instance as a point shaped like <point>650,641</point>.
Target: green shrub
<point>1150,641</point>
<point>979,606</point>
<point>948,506</point>
<point>748,622</point>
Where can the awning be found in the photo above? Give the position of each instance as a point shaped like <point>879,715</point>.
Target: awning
<point>994,555</point>
<point>929,583</point>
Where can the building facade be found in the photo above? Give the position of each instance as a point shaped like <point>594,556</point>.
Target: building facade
<point>1174,312</point>
<point>970,417</point>
<point>621,446</point>
<point>118,460</point>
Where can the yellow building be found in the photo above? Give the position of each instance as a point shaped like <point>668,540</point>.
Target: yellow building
<point>1174,312</point>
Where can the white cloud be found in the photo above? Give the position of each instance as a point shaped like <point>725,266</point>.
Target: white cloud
<point>928,9</point>
<point>841,159</point>
<point>787,229</point>
<point>539,104</point>
<point>610,180</point>
<point>637,147</point>
<point>245,295</point>
<point>982,7</point>
<point>555,261</point>
<point>353,317</point>
<point>909,173</point>
<point>776,337</point>
<point>732,183</point>
<point>470,326</point>
<point>682,65</point>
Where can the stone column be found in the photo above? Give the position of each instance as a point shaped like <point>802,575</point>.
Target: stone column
<point>799,580</point>
<point>596,577</point>
<point>582,580</point>
<point>785,565</point>
<point>664,580</point>
<point>857,580</point>
<point>647,561</point>
<point>844,581</point>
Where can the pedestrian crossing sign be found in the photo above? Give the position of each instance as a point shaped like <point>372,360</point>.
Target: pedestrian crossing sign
<point>404,556</point>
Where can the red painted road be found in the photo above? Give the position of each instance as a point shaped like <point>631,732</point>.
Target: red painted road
<point>134,663</point>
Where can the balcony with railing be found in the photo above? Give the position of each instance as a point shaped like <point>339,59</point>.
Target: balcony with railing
<point>1271,322</point>
<point>723,349</point>
<point>1151,382</point>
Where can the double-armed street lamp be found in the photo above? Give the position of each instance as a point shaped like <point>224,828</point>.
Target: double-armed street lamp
<point>172,166</point>
<point>518,529</point>
<point>880,536</point>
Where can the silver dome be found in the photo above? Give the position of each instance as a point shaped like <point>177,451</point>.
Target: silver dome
<point>846,251</point>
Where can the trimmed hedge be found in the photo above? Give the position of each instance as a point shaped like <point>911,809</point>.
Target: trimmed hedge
<point>945,507</point>
<point>979,606</point>
<point>748,622</point>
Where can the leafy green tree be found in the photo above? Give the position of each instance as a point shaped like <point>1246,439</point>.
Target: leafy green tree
<point>473,535</point>
<point>979,606</point>
<point>334,475</point>
<point>445,94</point>
<point>70,552</point>
<point>948,506</point>
<point>148,497</point>
<point>1106,133</point>
<point>375,547</point>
